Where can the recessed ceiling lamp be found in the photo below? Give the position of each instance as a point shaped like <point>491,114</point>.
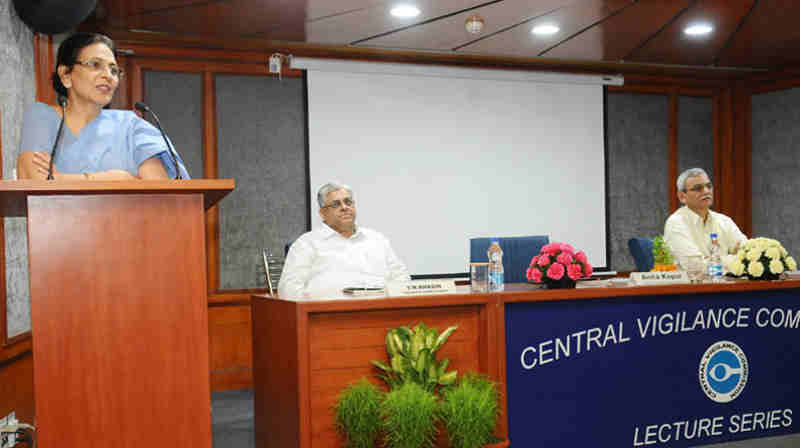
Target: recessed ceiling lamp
<point>405,11</point>
<point>474,24</point>
<point>698,29</point>
<point>545,29</point>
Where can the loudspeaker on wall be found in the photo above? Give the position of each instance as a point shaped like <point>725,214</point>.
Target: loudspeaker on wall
<point>53,16</point>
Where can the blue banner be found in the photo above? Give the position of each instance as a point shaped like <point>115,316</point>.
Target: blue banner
<point>683,370</point>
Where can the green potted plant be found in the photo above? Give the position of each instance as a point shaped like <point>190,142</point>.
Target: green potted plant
<point>409,415</point>
<point>358,416</point>
<point>412,357</point>
<point>469,411</point>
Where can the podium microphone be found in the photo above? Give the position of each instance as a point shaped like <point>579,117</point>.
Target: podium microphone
<point>62,101</point>
<point>145,109</point>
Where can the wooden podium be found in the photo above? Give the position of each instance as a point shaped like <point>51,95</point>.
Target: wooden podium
<point>118,310</point>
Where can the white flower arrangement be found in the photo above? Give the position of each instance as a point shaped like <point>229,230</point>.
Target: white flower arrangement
<point>762,259</point>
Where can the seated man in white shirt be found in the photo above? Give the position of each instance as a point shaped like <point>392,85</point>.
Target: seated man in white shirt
<point>688,231</point>
<point>339,254</point>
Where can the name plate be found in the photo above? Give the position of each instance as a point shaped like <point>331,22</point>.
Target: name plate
<point>421,287</point>
<point>659,278</point>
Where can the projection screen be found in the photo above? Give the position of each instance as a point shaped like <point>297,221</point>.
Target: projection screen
<point>436,157</point>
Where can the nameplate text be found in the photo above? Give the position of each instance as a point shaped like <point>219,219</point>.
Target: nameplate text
<point>659,278</point>
<point>421,287</point>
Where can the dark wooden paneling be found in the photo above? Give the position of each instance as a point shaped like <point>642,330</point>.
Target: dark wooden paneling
<point>616,37</point>
<point>16,383</point>
<point>448,33</point>
<point>769,38</point>
<point>230,347</point>
<point>44,64</point>
<point>746,33</point>
<point>179,46</point>
<point>571,19</point>
<point>673,46</point>
<point>218,18</point>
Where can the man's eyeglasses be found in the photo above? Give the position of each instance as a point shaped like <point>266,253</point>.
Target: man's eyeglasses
<point>337,204</point>
<point>97,65</point>
<point>699,187</point>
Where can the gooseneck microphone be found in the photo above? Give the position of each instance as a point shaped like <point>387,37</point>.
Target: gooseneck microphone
<point>145,109</point>
<point>62,101</point>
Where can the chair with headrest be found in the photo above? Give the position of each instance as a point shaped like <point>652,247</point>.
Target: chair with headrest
<point>517,254</point>
<point>642,251</point>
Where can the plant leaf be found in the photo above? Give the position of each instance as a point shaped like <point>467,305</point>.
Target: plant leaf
<point>404,332</point>
<point>398,364</point>
<point>443,337</point>
<point>443,366</point>
<point>417,343</point>
<point>448,378</point>
<point>391,346</point>
<point>430,338</point>
<point>382,366</point>
<point>398,342</point>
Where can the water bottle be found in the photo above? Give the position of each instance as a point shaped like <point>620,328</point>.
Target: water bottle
<point>715,262</point>
<point>496,273</point>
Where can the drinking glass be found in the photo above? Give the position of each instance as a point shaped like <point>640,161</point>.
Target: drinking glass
<point>695,268</point>
<point>479,277</point>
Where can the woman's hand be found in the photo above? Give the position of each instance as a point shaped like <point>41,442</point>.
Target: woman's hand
<point>33,165</point>
<point>41,162</point>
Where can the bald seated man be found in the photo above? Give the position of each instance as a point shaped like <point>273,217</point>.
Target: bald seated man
<point>339,254</point>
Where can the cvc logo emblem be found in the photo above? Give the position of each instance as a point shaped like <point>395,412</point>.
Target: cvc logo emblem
<point>723,371</point>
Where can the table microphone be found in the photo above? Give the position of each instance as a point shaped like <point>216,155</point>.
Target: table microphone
<point>62,101</point>
<point>145,109</point>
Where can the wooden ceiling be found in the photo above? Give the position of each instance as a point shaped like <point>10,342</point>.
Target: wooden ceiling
<point>747,34</point>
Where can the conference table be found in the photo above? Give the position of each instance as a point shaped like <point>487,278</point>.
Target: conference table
<point>671,365</point>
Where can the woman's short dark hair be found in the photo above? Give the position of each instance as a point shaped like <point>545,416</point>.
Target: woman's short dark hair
<point>68,53</point>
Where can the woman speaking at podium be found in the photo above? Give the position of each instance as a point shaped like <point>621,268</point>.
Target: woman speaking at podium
<point>84,140</point>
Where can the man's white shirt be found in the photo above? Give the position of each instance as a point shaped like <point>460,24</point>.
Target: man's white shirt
<point>322,262</point>
<point>686,234</point>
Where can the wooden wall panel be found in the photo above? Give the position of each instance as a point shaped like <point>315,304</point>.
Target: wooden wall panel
<point>16,384</point>
<point>44,65</point>
<point>230,330</point>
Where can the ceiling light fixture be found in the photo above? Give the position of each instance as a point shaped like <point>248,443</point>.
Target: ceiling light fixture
<point>474,24</point>
<point>698,29</point>
<point>545,30</point>
<point>405,11</point>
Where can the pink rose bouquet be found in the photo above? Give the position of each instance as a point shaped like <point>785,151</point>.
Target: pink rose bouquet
<point>558,265</point>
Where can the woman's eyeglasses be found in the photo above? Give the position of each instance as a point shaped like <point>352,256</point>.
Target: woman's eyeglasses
<point>97,65</point>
